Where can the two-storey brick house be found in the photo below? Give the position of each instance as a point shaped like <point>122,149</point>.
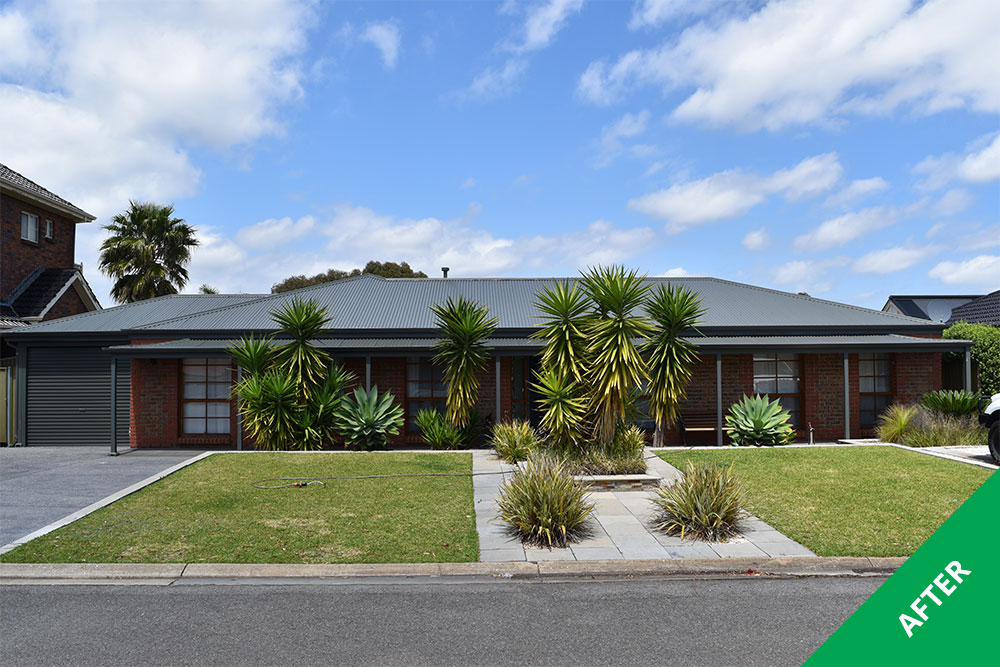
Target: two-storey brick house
<point>39,277</point>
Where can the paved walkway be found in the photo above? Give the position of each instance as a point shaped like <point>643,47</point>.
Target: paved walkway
<point>621,526</point>
<point>40,485</point>
<point>979,454</point>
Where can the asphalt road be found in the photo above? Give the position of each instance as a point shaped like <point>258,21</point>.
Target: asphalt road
<point>740,621</point>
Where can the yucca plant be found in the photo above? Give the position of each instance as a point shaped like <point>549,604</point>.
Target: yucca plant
<point>952,402</point>
<point>464,326</point>
<point>253,355</point>
<point>565,310</point>
<point>669,357</point>
<point>759,422</point>
<point>895,423</point>
<point>437,431</point>
<point>564,407</point>
<point>544,504</point>
<point>705,504</point>
<point>302,321</point>
<point>270,407</point>
<point>615,365</point>
<point>368,420</point>
<point>514,441</point>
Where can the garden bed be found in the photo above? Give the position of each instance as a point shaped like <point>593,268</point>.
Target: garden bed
<point>209,512</point>
<point>847,501</point>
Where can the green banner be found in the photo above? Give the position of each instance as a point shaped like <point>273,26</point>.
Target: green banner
<point>941,606</point>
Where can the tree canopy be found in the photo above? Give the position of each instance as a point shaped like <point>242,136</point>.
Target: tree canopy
<point>384,269</point>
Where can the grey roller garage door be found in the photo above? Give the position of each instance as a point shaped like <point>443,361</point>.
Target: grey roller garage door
<point>69,397</point>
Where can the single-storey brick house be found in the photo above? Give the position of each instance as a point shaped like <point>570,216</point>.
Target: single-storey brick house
<point>834,366</point>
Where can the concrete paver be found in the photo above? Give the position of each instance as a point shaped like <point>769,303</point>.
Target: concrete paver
<point>622,527</point>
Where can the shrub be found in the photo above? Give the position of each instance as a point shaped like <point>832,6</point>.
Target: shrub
<point>514,441</point>
<point>952,402</point>
<point>437,431</point>
<point>759,422</point>
<point>706,504</point>
<point>544,504</point>
<point>624,455</point>
<point>895,423</point>
<point>986,352</point>
<point>367,420</point>
<point>932,429</point>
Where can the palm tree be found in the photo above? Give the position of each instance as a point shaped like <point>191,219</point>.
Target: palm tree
<point>670,358</point>
<point>147,252</point>
<point>464,327</point>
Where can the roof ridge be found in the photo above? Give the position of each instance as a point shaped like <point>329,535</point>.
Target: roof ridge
<point>43,192</point>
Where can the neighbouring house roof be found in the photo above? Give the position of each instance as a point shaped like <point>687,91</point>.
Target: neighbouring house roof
<point>372,305</point>
<point>983,310</point>
<point>24,186</point>
<point>40,291</point>
<point>386,346</point>
<point>935,307</point>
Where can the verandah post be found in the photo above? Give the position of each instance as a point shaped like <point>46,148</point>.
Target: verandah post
<point>718,399</point>
<point>847,398</point>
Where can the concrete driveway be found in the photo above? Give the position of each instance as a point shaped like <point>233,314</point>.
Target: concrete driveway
<point>39,485</point>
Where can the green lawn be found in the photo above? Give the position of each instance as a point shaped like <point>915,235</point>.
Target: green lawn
<point>848,501</point>
<point>209,512</point>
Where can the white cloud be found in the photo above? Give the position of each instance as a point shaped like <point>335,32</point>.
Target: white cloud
<point>808,276</point>
<point>676,272</point>
<point>982,239</point>
<point>262,254</point>
<point>980,164</point>
<point>732,193</point>
<point>543,21</point>
<point>385,37</point>
<point>857,190</point>
<point>610,144</point>
<point>470,182</point>
<point>953,201</point>
<point>802,61</point>
<point>845,228</point>
<point>757,240</point>
<point>982,272</point>
<point>652,13</point>
<point>892,260</point>
<point>495,82</point>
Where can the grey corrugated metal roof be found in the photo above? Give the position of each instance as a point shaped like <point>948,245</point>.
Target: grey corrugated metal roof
<point>211,345</point>
<point>874,341</point>
<point>132,315</point>
<point>25,184</point>
<point>373,303</point>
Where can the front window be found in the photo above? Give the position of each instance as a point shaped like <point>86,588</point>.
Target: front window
<point>778,376</point>
<point>873,380</point>
<point>29,227</point>
<point>425,390</point>
<point>48,229</point>
<point>205,398</point>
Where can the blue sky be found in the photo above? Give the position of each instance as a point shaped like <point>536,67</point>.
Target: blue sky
<point>850,150</point>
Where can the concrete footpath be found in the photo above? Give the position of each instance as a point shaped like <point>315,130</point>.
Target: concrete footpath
<point>167,574</point>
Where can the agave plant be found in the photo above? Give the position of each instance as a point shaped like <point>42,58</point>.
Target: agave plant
<point>564,407</point>
<point>368,420</point>
<point>952,402</point>
<point>615,367</point>
<point>670,358</point>
<point>759,422</point>
<point>437,431</point>
<point>464,327</point>
<point>565,310</point>
<point>302,321</point>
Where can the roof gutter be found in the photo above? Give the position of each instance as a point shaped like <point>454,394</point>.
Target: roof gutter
<point>78,215</point>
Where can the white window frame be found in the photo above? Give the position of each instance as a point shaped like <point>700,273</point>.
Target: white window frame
<point>29,224</point>
<point>49,229</point>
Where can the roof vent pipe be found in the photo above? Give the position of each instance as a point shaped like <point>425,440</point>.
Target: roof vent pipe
<point>445,270</point>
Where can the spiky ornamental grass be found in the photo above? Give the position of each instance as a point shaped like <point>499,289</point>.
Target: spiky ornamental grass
<point>757,421</point>
<point>464,326</point>
<point>895,423</point>
<point>514,441</point>
<point>706,504</point>
<point>146,252</point>
<point>544,504</point>
<point>670,358</point>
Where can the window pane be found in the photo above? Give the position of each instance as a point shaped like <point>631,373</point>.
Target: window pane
<point>217,410</point>
<point>518,410</point>
<point>882,384</point>
<point>517,379</point>
<point>218,390</point>
<point>218,425</point>
<point>786,386</point>
<point>764,357</point>
<point>791,403</point>
<point>194,409</point>
<point>418,389</point>
<point>194,426</point>
<point>882,368</point>
<point>220,373</point>
<point>439,390</point>
<point>194,373</point>
<point>194,390</point>
<point>788,369</point>
<point>867,403</point>
<point>866,368</point>
<point>764,369</point>
<point>761,386</point>
<point>867,384</point>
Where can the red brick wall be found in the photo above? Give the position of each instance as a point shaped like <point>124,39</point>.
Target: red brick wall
<point>155,403</point>
<point>19,258</point>
<point>823,395</point>
<point>737,380</point>
<point>914,374</point>
<point>68,304</point>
